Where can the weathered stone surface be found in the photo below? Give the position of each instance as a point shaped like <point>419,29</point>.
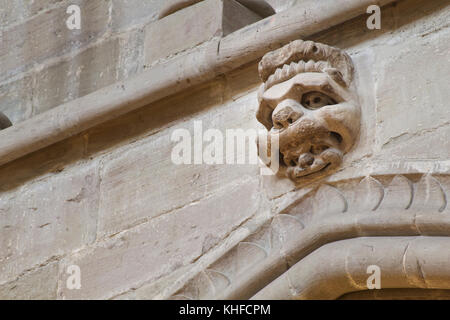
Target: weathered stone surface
<point>420,18</point>
<point>97,67</point>
<point>131,57</point>
<point>16,99</point>
<point>132,179</point>
<point>410,101</point>
<point>39,165</point>
<point>53,217</point>
<point>128,13</point>
<point>163,244</point>
<point>151,290</point>
<point>186,230</point>
<point>236,50</point>
<point>154,118</point>
<point>39,284</point>
<point>46,35</point>
<point>17,11</point>
<point>88,71</point>
<point>432,146</point>
<point>54,85</point>
<point>183,30</point>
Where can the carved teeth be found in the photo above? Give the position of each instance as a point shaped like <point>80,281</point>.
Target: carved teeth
<point>310,66</point>
<point>285,71</point>
<point>293,68</point>
<point>278,73</point>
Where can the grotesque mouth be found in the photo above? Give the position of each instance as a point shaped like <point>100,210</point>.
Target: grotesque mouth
<point>313,157</point>
<point>310,164</point>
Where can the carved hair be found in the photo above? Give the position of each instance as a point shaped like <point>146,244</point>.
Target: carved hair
<point>305,56</point>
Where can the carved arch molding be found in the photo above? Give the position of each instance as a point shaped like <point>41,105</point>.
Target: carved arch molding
<point>320,245</point>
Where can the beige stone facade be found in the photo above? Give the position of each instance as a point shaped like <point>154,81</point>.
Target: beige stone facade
<point>94,118</point>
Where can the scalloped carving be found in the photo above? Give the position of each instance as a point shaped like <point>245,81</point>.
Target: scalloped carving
<point>248,255</point>
<point>282,227</point>
<point>429,195</point>
<point>398,194</point>
<point>368,195</point>
<point>218,279</point>
<point>329,200</point>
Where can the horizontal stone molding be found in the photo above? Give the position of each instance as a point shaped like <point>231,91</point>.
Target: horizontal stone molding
<point>217,57</point>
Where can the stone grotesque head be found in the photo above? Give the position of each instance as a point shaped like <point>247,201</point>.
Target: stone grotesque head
<point>308,101</point>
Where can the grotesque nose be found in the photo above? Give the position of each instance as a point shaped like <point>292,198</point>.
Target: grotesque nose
<point>305,160</point>
<point>286,113</point>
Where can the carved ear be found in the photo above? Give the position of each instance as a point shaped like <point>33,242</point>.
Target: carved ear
<point>264,113</point>
<point>337,76</point>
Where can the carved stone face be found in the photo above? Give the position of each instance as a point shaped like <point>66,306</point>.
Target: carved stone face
<point>316,117</point>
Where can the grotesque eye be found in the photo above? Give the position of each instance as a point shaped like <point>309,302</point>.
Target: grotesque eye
<point>315,100</point>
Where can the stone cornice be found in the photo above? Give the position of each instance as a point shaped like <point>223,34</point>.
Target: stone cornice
<point>171,77</point>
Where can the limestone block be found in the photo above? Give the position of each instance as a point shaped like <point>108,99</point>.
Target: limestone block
<point>412,92</point>
<point>39,284</point>
<point>54,85</point>
<point>184,29</point>
<point>143,182</point>
<point>90,70</point>
<point>17,11</point>
<point>126,13</point>
<point>68,79</point>
<point>430,145</point>
<point>145,121</point>
<point>97,66</point>
<point>16,99</point>
<point>238,86</point>
<point>46,35</point>
<point>131,58</point>
<point>48,218</point>
<point>42,164</point>
<point>164,244</point>
<point>419,17</point>
<point>151,290</point>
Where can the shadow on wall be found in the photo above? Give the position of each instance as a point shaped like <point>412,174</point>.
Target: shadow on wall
<point>4,121</point>
<point>260,7</point>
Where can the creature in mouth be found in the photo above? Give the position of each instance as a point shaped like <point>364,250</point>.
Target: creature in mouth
<point>319,158</point>
<point>307,148</point>
<point>307,101</point>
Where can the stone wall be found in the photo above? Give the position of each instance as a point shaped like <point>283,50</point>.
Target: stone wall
<point>44,64</point>
<point>111,201</point>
